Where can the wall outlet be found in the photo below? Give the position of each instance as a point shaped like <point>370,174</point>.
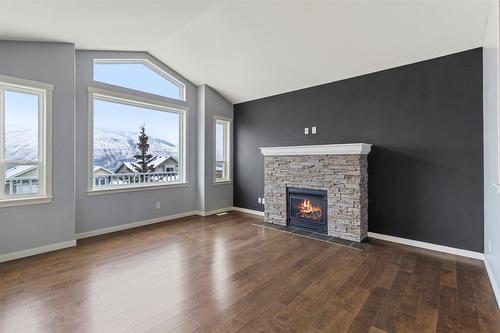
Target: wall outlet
<point>259,200</point>
<point>313,130</point>
<point>306,130</point>
<point>263,201</point>
<point>158,205</point>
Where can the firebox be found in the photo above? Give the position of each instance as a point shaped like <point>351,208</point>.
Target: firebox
<point>307,209</point>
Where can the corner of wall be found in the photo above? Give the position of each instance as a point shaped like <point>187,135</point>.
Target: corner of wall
<point>200,147</point>
<point>491,123</point>
<point>211,103</point>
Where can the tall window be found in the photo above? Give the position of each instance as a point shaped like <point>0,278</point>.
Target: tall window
<point>138,74</point>
<point>135,142</point>
<point>222,167</point>
<point>24,143</point>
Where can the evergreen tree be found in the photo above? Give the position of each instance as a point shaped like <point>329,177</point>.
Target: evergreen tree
<point>143,157</point>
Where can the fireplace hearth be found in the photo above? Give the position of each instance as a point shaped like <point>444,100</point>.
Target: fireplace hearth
<point>307,209</point>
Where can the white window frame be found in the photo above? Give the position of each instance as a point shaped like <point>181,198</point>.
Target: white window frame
<point>44,93</point>
<point>150,65</point>
<point>228,122</point>
<point>132,100</point>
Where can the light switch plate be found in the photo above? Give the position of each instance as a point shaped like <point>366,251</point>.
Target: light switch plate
<point>313,130</point>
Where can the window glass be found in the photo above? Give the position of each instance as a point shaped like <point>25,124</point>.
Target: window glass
<point>21,126</point>
<point>137,76</point>
<point>222,136</point>
<point>21,180</point>
<point>135,145</point>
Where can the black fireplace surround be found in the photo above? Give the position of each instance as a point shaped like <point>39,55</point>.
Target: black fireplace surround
<point>307,209</point>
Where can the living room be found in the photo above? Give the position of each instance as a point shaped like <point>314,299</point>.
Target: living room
<point>213,166</point>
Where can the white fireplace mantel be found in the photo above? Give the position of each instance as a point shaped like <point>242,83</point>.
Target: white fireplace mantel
<point>329,149</point>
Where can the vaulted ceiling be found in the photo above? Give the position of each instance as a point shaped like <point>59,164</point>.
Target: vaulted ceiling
<point>255,48</point>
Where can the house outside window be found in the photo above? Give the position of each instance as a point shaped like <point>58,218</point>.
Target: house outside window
<point>222,157</point>
<point>25,141</point>
<point>135,141</point>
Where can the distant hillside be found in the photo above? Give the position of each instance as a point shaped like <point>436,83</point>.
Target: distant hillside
<point>111,147</point>
<point>21,145</point>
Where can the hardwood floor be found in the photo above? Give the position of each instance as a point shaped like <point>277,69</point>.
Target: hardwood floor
<point>225,274</point>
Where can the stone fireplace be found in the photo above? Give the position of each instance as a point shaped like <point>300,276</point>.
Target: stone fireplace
<point>321,188</point>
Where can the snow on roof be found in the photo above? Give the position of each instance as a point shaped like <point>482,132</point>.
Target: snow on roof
<point>18,170</point>
<point>130,166</point>
<point>155,162</point>
<point>97,168</point>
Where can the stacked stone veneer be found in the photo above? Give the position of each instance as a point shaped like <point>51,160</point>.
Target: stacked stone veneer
<point>344,177</point>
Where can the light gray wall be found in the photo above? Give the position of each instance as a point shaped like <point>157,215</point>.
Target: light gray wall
<point>110,210</point>
<point>25,227</point>
<point>215,196</point>
<point>200,151</point>
<point>491,142</point>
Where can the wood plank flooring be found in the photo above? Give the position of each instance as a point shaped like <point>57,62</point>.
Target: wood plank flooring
<point>225,274</point>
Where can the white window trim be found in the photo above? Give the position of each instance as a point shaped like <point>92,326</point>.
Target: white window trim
<point>132,100</point>
<point>44,91</point>
<point>227,137</point>
<point>150,65</point>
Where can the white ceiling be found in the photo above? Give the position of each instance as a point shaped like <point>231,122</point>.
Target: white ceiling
<point>251,49</point>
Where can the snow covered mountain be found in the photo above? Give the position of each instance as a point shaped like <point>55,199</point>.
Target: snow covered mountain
<point>111,147</point>
<point>21,145</point>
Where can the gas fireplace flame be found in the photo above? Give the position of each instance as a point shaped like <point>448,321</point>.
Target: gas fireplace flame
<point>308,210</point>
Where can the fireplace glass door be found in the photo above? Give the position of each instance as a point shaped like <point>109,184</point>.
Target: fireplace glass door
<point>307,209</point>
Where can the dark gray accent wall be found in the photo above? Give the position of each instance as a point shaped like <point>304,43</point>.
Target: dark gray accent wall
<point>425,121</point>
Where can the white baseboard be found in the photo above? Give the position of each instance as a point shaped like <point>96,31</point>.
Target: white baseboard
<point>428,246</point>
<point>249,211</point>
<point>149,221</point>
<point>215,211</point>
<point>59,246</point>
<point>131,225</point>
<point>36,250</point>
<point>493,281</point>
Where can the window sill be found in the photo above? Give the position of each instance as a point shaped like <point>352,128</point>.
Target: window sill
<point>222,182</point>
<point>25,201</point>
<point>135,188</point>
<point>497,186</point>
